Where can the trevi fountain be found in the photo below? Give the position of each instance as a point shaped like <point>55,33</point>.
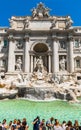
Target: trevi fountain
<point>40,85</point>
<point>40,57</point>
<point>40,67</point>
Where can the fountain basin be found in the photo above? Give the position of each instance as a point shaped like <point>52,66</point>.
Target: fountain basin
<point>19,109</point>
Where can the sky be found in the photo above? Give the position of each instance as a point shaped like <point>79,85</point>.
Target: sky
<point>10,8</point>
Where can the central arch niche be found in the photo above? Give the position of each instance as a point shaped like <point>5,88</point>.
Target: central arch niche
<point>40,48</point>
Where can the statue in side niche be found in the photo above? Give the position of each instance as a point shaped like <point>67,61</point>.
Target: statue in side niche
<point>62,63</point>
<point>18,64</point>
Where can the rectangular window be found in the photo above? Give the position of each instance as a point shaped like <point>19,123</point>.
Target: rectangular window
<point>76,43</point>
<point>5,43</point>
<point>78,63</point>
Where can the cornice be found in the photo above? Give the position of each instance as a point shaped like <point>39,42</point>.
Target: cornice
<point>18,31</point>
<point>10,30</point>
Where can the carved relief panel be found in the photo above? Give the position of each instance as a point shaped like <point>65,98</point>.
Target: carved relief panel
<point>19,44</point>
<point>62,45</point>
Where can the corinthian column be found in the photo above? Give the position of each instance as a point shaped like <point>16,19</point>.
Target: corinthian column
<point>31,63</point>
<point>26,55</point>
<point>49,56</point>
<point>11,56</point>
<point>55,62</point>
<point>70,55</point>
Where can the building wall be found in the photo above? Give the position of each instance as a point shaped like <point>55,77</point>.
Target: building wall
<point>30,37</point>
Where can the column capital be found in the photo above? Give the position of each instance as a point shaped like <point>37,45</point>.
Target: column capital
<point>49,53</point>
<point>11,38</point>
<point>70,37</point>
<point>54,38</point>
<point>26,37</point>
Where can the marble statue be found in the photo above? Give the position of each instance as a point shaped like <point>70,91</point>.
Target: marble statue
<point>39,64</point>
<point>46,12</point>
<point>34,12</point>
<point>41,11</point>
<point>18,64</point>
<point>69,22</point>
<point>20,78</point>
<point>62,63</point>
<point>53,24</point>
<point>26,24</point>
<point>40,69</point>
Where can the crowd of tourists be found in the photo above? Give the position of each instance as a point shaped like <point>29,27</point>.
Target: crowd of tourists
<point>37,124</point>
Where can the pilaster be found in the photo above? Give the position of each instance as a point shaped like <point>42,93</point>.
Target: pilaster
<point>26,55</point>
<point>49,59</point>
<point>55,62</point>
<point>70,55</point>
<point>31,63</point>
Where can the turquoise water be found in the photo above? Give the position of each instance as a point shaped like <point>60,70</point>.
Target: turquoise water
<point>19,109</point>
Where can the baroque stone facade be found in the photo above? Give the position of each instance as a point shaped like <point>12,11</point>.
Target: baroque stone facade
<point>40,41</point>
